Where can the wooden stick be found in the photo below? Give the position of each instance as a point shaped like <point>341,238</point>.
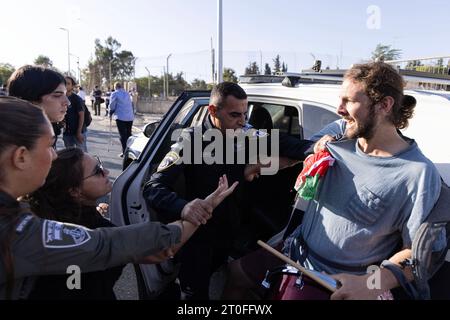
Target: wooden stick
<point>297,266</point>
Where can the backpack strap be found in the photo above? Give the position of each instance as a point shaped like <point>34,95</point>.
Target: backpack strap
<point>427,256</point>
<point>400,276</point>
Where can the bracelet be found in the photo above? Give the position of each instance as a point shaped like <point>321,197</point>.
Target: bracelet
<point>387,263</point>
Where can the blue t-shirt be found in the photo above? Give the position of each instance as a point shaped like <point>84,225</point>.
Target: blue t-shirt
<point>120,105</point>
<point>366,206</point>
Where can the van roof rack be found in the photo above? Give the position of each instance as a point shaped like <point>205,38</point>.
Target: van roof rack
<point>289,79</point>
<point>260,78</point>
<point>336,77</point>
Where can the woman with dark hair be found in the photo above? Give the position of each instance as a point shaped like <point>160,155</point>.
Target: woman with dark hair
<point>43,87</point>
<point>31,246</point>
<point>75,181</point>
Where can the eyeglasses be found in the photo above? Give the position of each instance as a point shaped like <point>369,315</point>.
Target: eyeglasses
<point>98,170</point>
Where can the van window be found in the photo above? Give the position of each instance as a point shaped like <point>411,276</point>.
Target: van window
<point>315,118</point>
<point>284,118</point>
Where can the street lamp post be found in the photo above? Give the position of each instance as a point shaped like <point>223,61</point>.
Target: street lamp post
<point>68,49</point>
<point>167,75</point>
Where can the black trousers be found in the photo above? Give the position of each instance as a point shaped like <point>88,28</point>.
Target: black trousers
<point>198,262</point>
<point>124,128</point>
<point>97,108</point>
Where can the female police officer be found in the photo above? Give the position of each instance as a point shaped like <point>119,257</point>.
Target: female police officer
<point>30,246</point>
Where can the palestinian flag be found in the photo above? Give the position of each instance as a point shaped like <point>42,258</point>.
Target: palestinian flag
<point>315,167</point>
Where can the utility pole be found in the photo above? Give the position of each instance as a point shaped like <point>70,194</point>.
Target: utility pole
<point>149,83</point>
<point>78,67</point>
<point>68,50</point>
<point>167,75</point>
<point>219,42</point>
<point>213,62</point>
<point>260,63</point>
<point>163,78</point>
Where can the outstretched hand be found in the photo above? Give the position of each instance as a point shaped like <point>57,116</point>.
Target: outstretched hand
<point>199,211</point>
<point>222,191</point>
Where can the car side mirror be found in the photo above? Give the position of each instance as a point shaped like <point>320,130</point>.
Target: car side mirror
<point>150,128</point>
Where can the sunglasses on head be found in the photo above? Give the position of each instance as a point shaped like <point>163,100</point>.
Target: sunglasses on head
<point>98,170</point>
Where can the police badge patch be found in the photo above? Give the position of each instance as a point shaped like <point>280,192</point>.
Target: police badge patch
<point>169,160</point>
<point>57,235</point>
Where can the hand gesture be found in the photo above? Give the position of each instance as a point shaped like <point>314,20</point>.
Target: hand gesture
<point>221,192</point>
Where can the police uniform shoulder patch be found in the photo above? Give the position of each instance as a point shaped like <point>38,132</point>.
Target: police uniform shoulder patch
<point>57,235</point>
<point>251,131</point>
<point>169,160</point>
<point>23,223</point>
<point>260,133</point>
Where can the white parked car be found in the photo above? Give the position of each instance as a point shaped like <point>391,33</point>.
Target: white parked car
<point>299,109</point>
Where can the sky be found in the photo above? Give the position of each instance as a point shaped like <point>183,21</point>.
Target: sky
<point>338,32</point>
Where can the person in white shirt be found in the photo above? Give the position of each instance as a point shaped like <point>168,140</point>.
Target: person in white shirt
<point>81,93</point>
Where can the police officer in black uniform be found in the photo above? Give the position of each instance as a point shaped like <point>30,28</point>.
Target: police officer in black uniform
<point>210,246</point>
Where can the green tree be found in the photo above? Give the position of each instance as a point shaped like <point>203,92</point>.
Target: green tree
<point>252,68</point>
<point>157,86</point>
<point>440,62</point>
<point>109,64</point>
<point>277,64</point>
<point>142,86</point>
<point>178,84</point>
<point>267,70</point>
<point>6,71</point>
<point>42,60</point>
<point>124,62</point>
<point>229,75</point>
<point>284,67</point>
<point>199,84</point>
<point>385,52</point>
